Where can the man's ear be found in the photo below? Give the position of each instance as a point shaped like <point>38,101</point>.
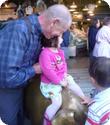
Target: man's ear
<point>56,21</point>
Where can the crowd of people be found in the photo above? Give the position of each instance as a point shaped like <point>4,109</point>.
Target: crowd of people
<point>27,9</point>
<point>99,50</point>
<point>32,46</point>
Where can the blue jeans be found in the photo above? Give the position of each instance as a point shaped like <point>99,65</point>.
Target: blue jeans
<point>11,106</point>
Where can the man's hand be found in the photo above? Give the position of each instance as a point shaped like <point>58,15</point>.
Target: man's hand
<point>37,68</point>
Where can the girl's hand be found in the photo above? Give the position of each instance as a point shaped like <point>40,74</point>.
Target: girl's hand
<point>86,100</point>
<point>63,83</point>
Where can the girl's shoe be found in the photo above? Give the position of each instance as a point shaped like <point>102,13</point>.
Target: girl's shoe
<point>46,121</point>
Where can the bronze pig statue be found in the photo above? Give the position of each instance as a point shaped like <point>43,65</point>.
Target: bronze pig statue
<point>72,111</point>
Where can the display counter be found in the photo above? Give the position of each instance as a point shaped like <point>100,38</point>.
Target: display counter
<point>78,43</point>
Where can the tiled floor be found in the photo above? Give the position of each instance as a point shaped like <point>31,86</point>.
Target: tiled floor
<point>78,62</point>
<point>78,68</point>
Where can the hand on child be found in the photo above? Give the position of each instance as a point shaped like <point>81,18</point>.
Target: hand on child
<point>37,68</point>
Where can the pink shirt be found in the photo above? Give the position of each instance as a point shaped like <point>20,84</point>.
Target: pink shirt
<point>53,66</point>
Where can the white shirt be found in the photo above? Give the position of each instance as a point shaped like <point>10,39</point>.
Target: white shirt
<point>102,46</point>
<point>102,49</point>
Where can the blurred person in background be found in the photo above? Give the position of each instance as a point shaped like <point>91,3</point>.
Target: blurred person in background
<point>102,46</point>
<point>92,32</point>
<point>65,43</point>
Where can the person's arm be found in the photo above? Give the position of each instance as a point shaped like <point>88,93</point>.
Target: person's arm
<point>47,69</point>
<point>17,74</point>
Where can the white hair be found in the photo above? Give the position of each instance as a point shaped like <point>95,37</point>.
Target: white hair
<point>59,11</point>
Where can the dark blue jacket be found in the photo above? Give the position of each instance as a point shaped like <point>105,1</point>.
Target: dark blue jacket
<point>19,50</point>
<point>65,37</point>
<point>92,37</point>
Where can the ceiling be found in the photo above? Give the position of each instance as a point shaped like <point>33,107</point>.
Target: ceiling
<point>80,3</point>
<point>103,7</point>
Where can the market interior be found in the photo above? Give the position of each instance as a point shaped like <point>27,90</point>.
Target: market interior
<point>82,11</point>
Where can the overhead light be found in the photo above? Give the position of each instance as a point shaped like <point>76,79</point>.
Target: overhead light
<point>90,12</point>
<point>99,1</point>
<point>80,16</point>
<point>73,5</point>
<point>76,12</point>
<point>88,19</point>
<point>6,6</point>
<point>96,6</point>
<point>85,8</point>
<point>72,10</point>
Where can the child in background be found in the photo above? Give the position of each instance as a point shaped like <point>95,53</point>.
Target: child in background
<point>54,76</point>
<point>99,108</point>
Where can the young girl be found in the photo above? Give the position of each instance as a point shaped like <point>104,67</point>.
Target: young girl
<point>54,76</point>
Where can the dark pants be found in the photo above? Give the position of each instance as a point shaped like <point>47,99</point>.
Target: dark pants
<point>11,106</point>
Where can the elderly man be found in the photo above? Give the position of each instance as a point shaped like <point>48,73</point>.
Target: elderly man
<point>19,50</point>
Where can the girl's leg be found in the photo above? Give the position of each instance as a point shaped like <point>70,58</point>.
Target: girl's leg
<point>52,109</point>
<point>72,85</point>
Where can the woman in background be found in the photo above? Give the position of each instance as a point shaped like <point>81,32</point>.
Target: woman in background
<point>93,29</point>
